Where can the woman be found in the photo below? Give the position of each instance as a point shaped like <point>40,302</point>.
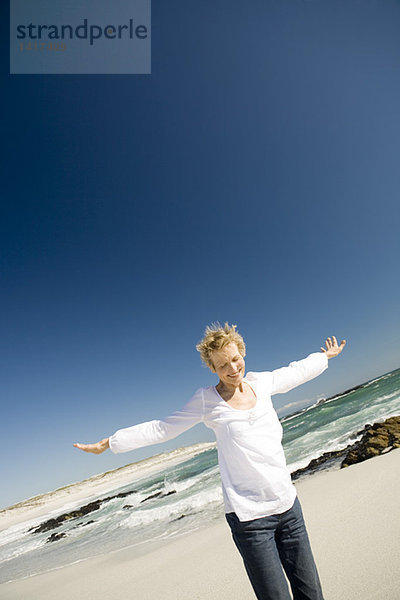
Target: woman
<point>260,500</point>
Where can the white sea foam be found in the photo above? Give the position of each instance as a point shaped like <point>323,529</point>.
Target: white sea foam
<point>195,501</point>
<point>28,546</point>
<point>320,400</point>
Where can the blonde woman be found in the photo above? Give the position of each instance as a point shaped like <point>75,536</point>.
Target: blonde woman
<point>261,506</point>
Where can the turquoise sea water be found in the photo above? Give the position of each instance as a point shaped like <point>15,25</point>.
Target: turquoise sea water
<point>188,496</point>
<point>334,423</point>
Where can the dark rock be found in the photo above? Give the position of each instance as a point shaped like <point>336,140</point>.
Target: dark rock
<point>178,518</point>
<point>158,495</point>
<point>56,536</point>
<point>168,493</point>
<point>83,524</point>
<point>53,523</point>
<point>124,494</point>
<point>377,439</point>
<point>325,461</point>
<point>84,510</point>
<point>46,526</point>
<point>120,495</point>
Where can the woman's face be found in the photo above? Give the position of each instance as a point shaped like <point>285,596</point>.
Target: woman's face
<point>229,365</point>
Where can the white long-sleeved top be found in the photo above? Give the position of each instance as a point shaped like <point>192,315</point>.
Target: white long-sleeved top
<point>254,475</point>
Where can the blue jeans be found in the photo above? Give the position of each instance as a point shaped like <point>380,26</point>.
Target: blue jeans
<point>270,543</point>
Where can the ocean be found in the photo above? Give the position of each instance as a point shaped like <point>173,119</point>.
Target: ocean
<point>173,493</point>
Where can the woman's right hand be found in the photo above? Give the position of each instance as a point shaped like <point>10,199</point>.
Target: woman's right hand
<point>96,448</point>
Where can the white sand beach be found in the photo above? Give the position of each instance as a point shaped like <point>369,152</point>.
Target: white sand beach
<point>354,525</point>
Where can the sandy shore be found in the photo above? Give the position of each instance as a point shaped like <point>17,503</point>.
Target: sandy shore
<point>354,526</point>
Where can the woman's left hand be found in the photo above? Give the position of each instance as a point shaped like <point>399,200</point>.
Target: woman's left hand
<point>332,347</point>
<point>97,448</point>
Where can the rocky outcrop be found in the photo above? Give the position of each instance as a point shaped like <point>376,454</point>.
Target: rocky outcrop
<point>328,460</point>
<point>84,510</point>
<point>376,439</point>
<point>75,514</point>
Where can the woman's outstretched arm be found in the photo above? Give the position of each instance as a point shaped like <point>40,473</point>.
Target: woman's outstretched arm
<point>301,371</point>
<point>151,432</point>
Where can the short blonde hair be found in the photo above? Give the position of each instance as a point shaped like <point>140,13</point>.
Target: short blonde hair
<point>217,337</point>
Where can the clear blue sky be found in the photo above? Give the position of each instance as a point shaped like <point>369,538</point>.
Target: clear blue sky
<point>253,177</point>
